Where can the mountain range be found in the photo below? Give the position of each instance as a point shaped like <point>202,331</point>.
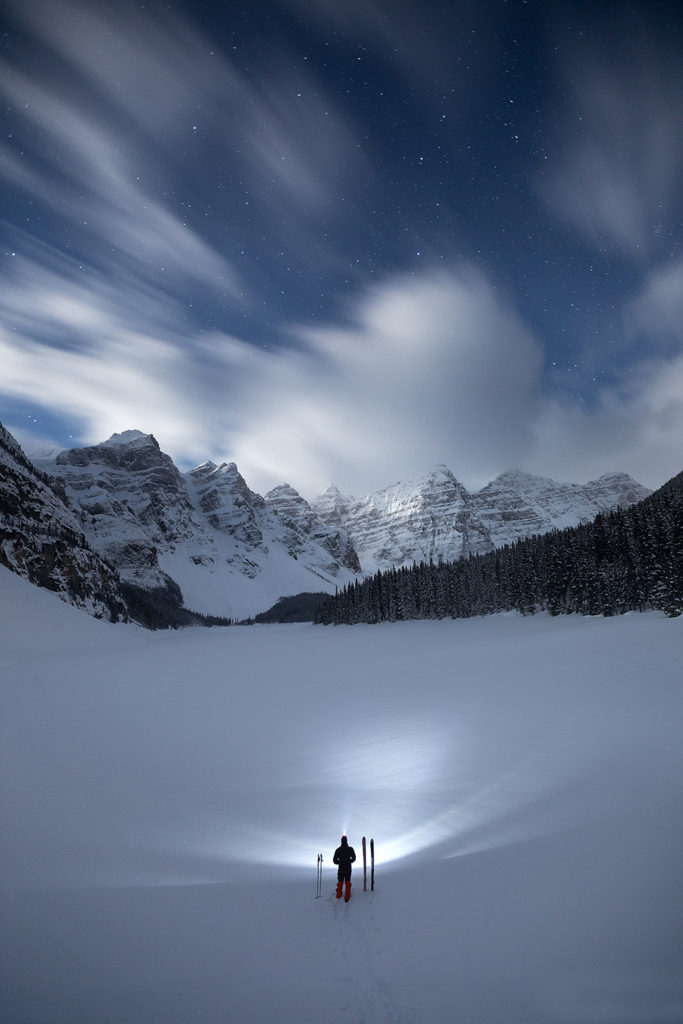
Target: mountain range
<point>437,518</point>
<point>121,510</point>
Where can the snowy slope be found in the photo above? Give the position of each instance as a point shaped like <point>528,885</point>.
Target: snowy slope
<point>436,517</point>
<point>165,796</point>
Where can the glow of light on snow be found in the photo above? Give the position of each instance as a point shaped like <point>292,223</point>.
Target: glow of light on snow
<point>203,754</point>
<point>412,787</point>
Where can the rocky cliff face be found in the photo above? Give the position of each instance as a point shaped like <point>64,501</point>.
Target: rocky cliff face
<point>42,539</point>
<point>131,500</point>
<point>404,523</point>
<point>231,551</point>
<point>298,524</point>
<point>222,495</point>
<point>518,504</point>
<point>437,518</point>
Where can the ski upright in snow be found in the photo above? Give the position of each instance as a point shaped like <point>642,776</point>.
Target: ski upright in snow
<point>372,865</point>
<point>365,866</point>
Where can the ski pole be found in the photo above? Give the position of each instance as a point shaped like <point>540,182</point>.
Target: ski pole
<point>372,865</point>
<point>319,877</point>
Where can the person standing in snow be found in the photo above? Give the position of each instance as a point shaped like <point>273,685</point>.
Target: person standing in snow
<point>344,857</point>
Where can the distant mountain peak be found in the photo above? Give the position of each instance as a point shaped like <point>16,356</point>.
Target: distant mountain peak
<point>126,437</point>
<point>283,491</point>
<point>438,469</point>
<point>436,517</point>
<point>233,552</point>
<point>333,491</point>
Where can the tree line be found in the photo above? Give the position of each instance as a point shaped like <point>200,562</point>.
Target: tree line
<point>625,560</point>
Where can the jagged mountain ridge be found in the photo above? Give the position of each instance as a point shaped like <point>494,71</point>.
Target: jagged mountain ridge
<point>231,551</point>
<point>437,518</point>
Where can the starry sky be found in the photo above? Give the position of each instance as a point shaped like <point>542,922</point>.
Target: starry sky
<point>345,240</point>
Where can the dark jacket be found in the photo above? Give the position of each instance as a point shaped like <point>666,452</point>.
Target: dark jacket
<point>344,856</point>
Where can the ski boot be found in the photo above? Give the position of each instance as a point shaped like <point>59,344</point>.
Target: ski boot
<point>339,890</point>
<point>347,894</point>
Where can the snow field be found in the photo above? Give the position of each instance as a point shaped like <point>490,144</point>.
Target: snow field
<point>164,798</point>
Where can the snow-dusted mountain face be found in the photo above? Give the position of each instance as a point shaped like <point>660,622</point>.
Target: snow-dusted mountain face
<point>231,551</point>
<point>298,522</point>
<point>234,553</point>
<point>42,539</point>
<point>437,518</point>
<point>131,500</point>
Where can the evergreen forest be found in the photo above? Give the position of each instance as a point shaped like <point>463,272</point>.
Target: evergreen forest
<point>626,560</point>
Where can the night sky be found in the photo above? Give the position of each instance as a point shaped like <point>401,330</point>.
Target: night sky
<point>344,240</point>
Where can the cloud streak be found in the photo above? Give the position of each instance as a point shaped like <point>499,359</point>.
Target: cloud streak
<point>209,241</point>
<point>438,368</point>
<point>145,105</point>
<point>90,181</point>
<point>616,170</point>
<point>403,386</point>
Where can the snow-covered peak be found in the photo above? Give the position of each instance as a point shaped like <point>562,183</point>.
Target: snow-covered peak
<point>613,478</point>
<point>517,504</point>
<point>332,493</point>
<point>220,486</point>
<point>436,517</point>
<point>126,437</point>
<point>519,480</point>
<point>622,485</point>
<point>404,522</point>
<point>283,491</point>
<point>438,473</point>
<point>293,510</point>
<point>298,523</point>
<point>332,505</point>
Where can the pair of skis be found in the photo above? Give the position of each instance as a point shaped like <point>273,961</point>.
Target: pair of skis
<point>372,866</point>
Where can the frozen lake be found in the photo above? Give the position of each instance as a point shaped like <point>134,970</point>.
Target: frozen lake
<point>165,797</point>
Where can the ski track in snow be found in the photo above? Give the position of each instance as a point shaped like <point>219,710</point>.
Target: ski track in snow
<point>364,994</point>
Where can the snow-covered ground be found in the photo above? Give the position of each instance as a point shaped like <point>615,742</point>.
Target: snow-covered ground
<point>165,796</point>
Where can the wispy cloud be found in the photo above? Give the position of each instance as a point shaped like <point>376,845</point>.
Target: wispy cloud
<point>70,346</point>
<point>636,427</point>
<point>165,84</point>
<point>89,179</point>
<point>161,155</point>
<point>656,313</point>
<point>410,39</point>
<point>147,131</point>
<point>435,368</point>
<point>442,368</point>
<point>614,171</point>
